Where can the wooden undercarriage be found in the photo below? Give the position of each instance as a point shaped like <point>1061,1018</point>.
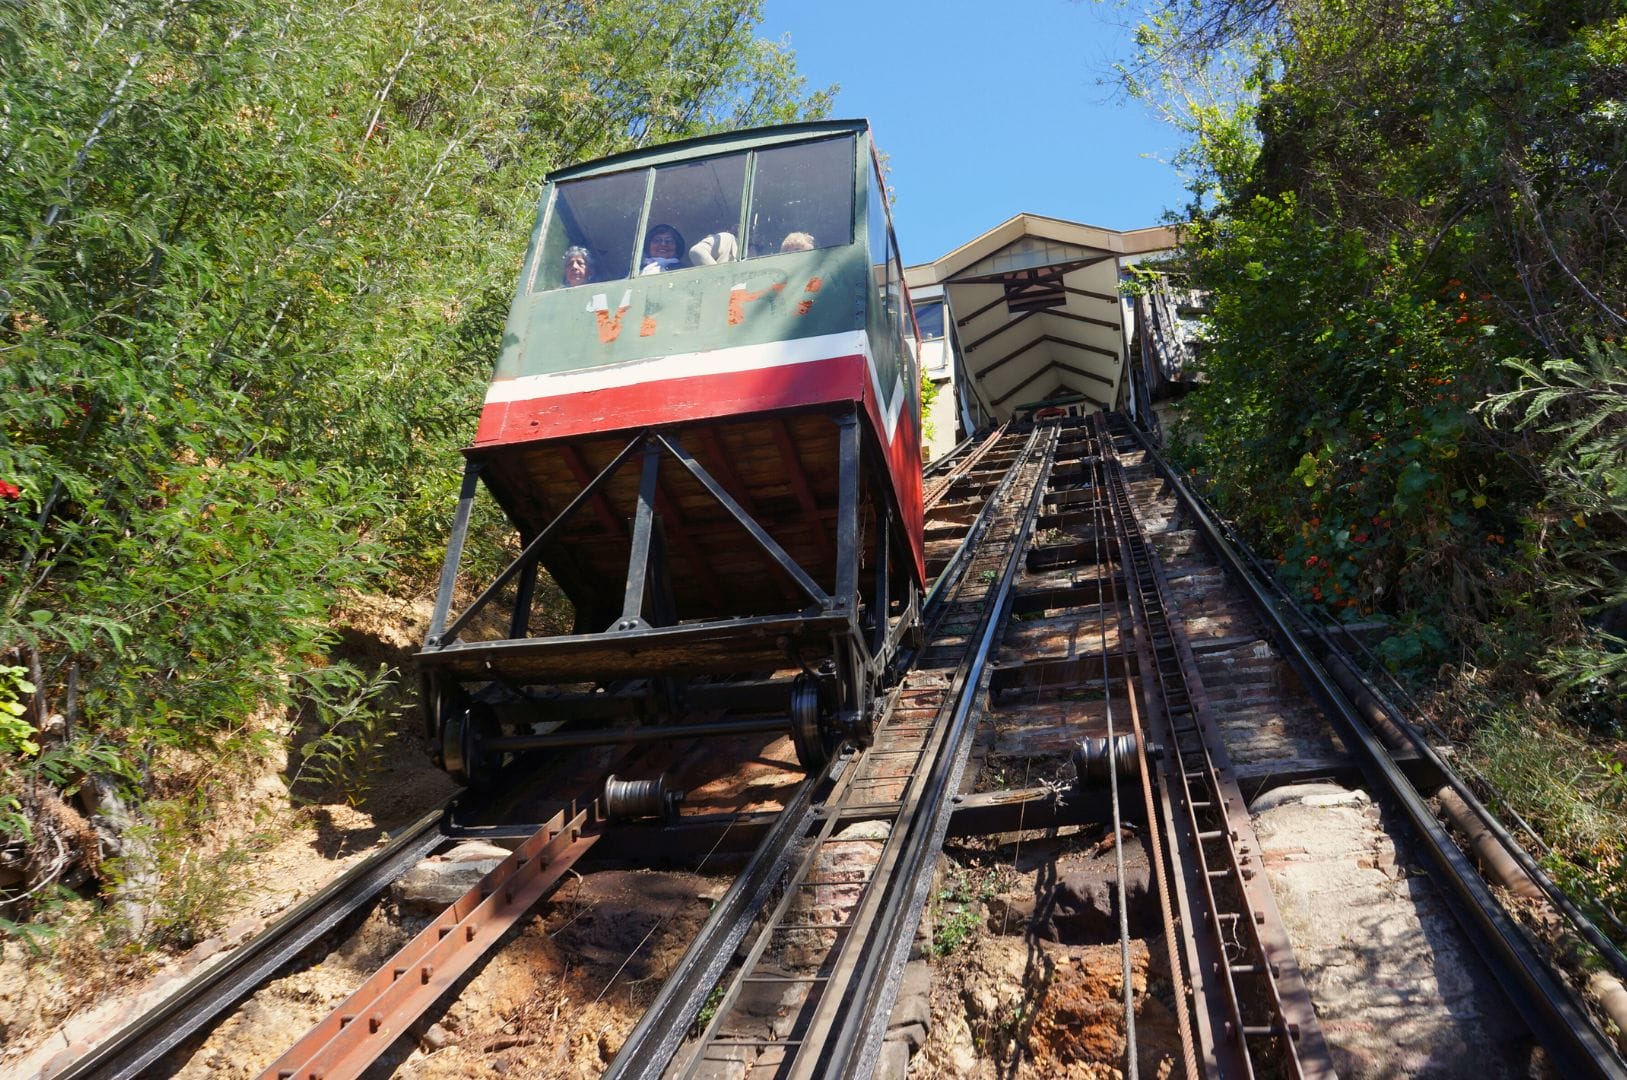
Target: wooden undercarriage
<point>754,573</point>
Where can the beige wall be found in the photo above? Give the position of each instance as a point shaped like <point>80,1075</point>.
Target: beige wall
<point>941,418</point>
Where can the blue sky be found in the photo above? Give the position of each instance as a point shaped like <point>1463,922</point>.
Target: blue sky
<point>989,108</point>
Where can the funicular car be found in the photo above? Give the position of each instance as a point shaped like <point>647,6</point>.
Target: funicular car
<point>704,424</point>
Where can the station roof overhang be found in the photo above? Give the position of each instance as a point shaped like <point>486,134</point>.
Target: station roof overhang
<point>1035,306</point>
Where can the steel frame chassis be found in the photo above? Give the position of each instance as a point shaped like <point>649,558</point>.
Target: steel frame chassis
<point>859,655</point>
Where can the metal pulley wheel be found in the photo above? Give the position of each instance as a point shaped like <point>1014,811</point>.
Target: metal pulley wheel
<point>811,731</point>
<point>629,800</point>
<point>462,732</point>
<point>1095,755</point>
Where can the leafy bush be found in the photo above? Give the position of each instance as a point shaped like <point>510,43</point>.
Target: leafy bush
<point>1407,221</point>
<point>252,276</point>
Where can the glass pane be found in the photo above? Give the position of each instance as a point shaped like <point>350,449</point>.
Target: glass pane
<point>694,214</point>
<point>878,244</point>
<point>802,197</point>
<point>591,231</point>
<point>929,317</point>
<point>906,325</point>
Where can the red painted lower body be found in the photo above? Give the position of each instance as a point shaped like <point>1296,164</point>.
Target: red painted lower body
<point>690,399</point>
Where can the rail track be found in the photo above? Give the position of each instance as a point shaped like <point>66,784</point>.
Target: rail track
<point>1091,621</point>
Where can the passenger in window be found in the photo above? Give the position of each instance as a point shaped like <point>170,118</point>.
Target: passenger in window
<point>578,265</point>
<point>718,247</point>
<point>797,241</point>
<point>662,250</point>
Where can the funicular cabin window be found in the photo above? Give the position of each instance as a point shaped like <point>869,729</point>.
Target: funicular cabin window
<point>883,259</point>
<point>700,200</point>
<point>598,214</point>
<point>929,319</point>
<point>802,193</point>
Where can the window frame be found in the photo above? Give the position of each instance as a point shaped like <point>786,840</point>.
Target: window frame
<point>535,280</point>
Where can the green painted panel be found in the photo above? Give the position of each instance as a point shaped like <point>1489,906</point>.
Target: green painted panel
<point>770,188</point>
<point>698,309</point>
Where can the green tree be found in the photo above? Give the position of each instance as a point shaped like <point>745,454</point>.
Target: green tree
<point>1407,219</point>
<point>254,263</point>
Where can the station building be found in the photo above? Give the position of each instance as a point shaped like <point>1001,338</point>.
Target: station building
<point>1030,315</point>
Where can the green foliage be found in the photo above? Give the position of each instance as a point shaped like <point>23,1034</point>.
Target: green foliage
<point>186,893</point>
<point>347,730</point>
<point>35,938</point>
<point>957,908</point>
<point>1392,223</point>
<point>1335,422</point>
<point>254,264</point>
<point>1407,224</point>
<point>16,734</point>
<point>929,394</point>
<point>1576,534</point>
<point>1573,794</point>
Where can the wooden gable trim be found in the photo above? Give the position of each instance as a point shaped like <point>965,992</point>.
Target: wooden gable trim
<point>985,309</point>
<point>1097,349</point>
<point>1104,323</point>
<point>1000,278</point>
<point>1012,355</point>
<point>1003,398</point>
<point>1111,299</point>
<point>1024,317</point>
<point>1083,373</point>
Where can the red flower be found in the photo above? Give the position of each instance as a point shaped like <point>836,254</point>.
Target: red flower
<point>1311,561</point>
<point>1360,538</point>
<point>10,491</point>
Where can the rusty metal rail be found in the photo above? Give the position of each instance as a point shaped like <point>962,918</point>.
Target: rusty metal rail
<point>1251,1003</point>
<point>349,1039</point>
<point>138,1046</point>
<point>939,486</point>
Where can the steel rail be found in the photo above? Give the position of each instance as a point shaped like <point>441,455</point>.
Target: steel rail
<point>1558,1020</point>
<point>650,1047</point>
<point>951,573</point>
<point>945,460</point>
<point>350,1038</point>
<point>1215,814</point>
<point>146,1039</point>
<point>899,736</point>
<point>1157,828</point>
<point>1318,627</point>
<point>1101,513</point>
<point>655,1039</point>
<point>1608,950</point>
<point>860,1019</point>
<point>926,748</point>
<point>940,485</point>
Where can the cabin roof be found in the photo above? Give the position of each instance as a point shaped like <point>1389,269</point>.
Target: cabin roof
<point>706,145</point>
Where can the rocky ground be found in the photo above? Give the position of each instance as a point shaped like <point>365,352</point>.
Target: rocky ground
<point>555,999</point>
<point>1027,973</point>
